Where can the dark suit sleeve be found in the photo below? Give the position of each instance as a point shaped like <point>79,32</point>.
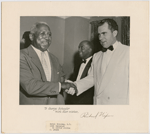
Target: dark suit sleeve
<point>75,72</point>
<point>32,85</point>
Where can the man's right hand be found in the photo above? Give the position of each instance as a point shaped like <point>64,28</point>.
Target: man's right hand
<point>71,91</point>
<point>67,85</point>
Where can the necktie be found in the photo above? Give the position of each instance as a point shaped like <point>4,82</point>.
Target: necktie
<point>105,49</point>
<point>45,65</point>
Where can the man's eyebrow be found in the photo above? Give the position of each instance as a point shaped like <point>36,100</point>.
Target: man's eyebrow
<point>102,33</point>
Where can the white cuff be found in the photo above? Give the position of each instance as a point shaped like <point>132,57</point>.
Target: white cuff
<point>69,81</point>
<point>59,87</point>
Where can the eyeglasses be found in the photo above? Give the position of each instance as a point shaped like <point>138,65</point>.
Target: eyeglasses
<point>45,34</point>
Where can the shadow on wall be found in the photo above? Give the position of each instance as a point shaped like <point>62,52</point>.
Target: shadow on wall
<point>97,45</point>
<point>25,41</point>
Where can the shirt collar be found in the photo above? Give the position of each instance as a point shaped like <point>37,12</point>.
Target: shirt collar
<point>37,50</point>
<point>115,45</point>
<point>87,60</point>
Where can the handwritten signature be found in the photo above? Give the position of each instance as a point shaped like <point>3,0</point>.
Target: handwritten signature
<point>104,115</point>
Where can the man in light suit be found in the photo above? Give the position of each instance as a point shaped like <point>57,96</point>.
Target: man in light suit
<point>109,70</point>
<point>81,69</point>
<point>41,76</point>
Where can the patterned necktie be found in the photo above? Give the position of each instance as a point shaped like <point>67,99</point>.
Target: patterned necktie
<point>45,65</point>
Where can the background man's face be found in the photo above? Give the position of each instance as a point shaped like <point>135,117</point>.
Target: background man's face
<point>106,36</point>
<point>42,38</point>
<point>84,50</point>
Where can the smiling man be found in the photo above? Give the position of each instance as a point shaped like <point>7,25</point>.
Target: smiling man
<point>41,76</point>
<point>109,69</point>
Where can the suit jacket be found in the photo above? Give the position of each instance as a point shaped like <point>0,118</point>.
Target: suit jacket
<point>85,98</point>
<point>34,88</point>
<point>113,87</point>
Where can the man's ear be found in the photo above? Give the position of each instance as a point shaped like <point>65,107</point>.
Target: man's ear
<point>115,33</point>
<point>31,37</point>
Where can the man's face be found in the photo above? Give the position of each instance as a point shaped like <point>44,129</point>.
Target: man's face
<point>42,38</point>
<point>106,36</point>
<point>84,50</point>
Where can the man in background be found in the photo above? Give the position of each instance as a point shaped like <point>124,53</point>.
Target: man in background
<point>81,70</point>
<point>25,41</point>
<point>41,75</point>
<point>109,69</point>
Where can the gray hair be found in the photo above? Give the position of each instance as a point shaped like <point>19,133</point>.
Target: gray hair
<point>36,26</point>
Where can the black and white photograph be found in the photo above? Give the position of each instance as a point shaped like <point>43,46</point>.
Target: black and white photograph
<point>75,67</point>
<point>74,60</point>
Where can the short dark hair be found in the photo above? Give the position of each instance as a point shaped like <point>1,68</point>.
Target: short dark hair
<point>111,24</point>
<point>89,43</point>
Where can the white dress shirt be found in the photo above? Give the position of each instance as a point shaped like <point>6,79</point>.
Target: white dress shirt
<point>106,58</point>
<point>82,67</point>
<point>38,52</point>
<point>47,59</point>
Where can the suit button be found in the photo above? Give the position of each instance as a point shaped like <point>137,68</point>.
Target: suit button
<point>108,98</point>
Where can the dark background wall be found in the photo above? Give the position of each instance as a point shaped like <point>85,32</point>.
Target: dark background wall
<point>67,33</point>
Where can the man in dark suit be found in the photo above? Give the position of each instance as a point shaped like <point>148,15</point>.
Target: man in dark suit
<point>80,71</point>
<point>41,76</point>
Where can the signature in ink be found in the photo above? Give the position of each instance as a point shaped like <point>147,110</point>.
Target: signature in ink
<point>104,115</point>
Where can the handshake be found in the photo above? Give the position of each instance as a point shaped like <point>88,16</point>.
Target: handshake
<point>69,87</point>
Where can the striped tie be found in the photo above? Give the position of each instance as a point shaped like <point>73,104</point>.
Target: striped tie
<point>45,65</point>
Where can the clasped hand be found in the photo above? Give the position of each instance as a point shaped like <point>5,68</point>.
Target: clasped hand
<point>70,88</point>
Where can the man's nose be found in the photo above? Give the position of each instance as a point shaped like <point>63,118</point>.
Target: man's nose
<point>47,36</point>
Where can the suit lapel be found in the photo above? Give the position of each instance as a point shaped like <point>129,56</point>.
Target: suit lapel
<point>36,61</point>
<point>53,70</point>
<point>111,68</point>
<point>86,69</point>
